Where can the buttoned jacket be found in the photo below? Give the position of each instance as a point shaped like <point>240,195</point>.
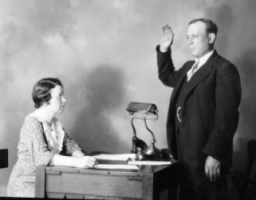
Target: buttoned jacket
<point>209,110</point>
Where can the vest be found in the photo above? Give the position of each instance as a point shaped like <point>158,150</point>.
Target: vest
<point>180,101</point>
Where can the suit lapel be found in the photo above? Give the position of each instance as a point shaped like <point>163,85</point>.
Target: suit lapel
<point>201,74</point>
<point>194,81</point>
<point>178,86</point>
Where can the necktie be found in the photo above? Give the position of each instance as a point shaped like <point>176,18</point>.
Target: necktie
<point>194,68</point>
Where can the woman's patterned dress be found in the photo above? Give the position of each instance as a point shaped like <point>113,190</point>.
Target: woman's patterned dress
<point>33,150</point>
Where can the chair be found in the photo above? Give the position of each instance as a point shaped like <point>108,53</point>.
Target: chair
<point>3,158</point>
<point>245,183</point>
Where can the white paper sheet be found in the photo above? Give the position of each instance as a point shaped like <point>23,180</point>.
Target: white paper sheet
<point>135,162</point>
<point>120,157</point>
<point>107,166</point>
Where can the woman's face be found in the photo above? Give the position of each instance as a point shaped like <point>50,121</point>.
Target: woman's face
<point>57,102</point>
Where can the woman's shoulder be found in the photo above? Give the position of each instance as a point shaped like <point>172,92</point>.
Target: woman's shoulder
<point>31,127</point>
<point>31,122</point>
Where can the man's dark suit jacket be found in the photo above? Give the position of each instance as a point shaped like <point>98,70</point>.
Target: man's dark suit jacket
<point>209,111</point>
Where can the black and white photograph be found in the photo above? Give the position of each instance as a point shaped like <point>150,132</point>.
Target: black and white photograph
<point>128,99</point>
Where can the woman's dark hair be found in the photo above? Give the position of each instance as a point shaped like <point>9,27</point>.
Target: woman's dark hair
<point>42,90</point>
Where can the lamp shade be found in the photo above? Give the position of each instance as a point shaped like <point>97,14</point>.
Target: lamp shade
<point>145,108</point>
<point>144,111</point>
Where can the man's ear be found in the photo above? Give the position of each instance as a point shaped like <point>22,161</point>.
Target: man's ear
<point>212,38</point>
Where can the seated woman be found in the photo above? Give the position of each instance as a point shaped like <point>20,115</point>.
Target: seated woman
<point>43,141</point>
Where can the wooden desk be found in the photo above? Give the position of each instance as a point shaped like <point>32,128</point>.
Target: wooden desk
<point>146,183</point>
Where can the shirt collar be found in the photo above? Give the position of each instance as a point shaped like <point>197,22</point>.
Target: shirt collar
<point>47,131</point>
<point>204,59</point>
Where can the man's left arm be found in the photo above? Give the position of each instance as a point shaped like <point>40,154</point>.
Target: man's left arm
<point>227,98</point>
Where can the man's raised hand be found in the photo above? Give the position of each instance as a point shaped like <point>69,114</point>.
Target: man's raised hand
<point>167,38</point>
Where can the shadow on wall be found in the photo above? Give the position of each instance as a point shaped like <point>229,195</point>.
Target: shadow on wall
<point>224,16</point>
<point>247,125</point>
<point>105,94</point>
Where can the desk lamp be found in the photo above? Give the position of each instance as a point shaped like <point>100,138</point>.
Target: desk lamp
<point>144,111</point>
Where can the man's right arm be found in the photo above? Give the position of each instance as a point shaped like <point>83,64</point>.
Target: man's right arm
<point>166,70</point>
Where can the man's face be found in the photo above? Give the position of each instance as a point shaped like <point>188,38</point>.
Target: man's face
<point>198,40</point>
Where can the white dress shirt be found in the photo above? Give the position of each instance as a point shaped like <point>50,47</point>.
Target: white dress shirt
<point>200,62</point>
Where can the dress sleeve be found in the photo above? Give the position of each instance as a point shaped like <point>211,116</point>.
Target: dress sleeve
<point>70,145</point>
<point>33,130</point>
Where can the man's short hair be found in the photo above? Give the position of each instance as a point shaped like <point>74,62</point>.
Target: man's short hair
<point>42,90</point>
<point>211,27</point>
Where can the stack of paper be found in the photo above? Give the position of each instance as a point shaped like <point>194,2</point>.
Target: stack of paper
<point>120,157</point>
<point>123,161</point>
<point>114,161</point>
<point>109,166</point>
<point>146,162</point>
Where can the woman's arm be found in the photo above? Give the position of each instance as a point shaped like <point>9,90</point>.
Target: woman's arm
<point>43,156</point>
<point>70,161</point>
<point>73,155</point>
<point>78,153</point>
<point>71,148</point>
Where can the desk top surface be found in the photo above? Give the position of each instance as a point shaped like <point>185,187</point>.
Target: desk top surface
<point>143,169</point>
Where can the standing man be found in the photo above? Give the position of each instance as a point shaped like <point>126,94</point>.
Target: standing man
<point>203,111</point>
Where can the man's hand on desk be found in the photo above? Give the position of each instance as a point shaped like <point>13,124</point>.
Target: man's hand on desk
<point>86,162</point>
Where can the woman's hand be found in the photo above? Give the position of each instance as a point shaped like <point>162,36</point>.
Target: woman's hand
<point>86,162</point>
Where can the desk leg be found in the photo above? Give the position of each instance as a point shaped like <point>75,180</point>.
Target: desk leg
<point>173,192</point>
<point>173,188</point>
<point>148,189</point>
<point>40,182</point>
